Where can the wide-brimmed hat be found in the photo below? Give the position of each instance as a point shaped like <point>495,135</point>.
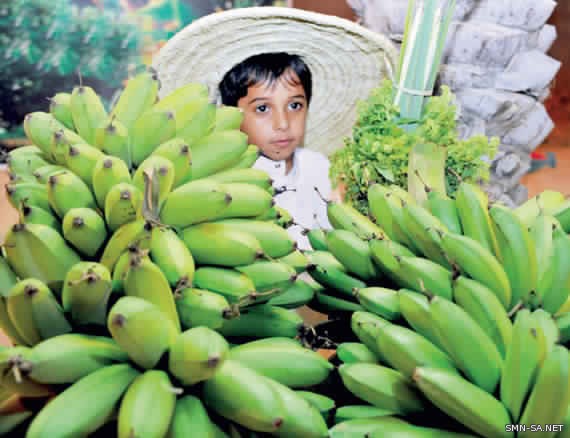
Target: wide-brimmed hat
<point>346,60</point>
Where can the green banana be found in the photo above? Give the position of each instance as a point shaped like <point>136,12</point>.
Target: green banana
<point>424,276</point>
<point>248,175</point>
<point>353,412</point>
<point>40,127</point>
<point>317,239</point>
<point>217,152</point>
<point>60,108</point>
<point>543,204</point>
<point>90,402</point>
<point>141,329</point>
<point>269,275</point>
<point>472,206</point>
<point>274,240</point>
<point>196,355</point>
<point>14,374</point>
<point>524,355</point>
<point>177,151</point>
<point>466,342</point>
<point>365,326</point>
<point>486,309</point>
<point>464,401</point>
<point>113,139</point>
<point>160,168</point>
<point>195,202</point>
<point>172,256</point>
<point>38,251</point>
<point>81,160</point>
<point>60,144</point>
<point>85,229</point>
<point>190,414</point>
<point>354,352</point>
<point>29,193</point>
<point>548,326</point>
<point>248,158</point>
<point>181,96</point>
<point>284,218</point>
<point>385,253</point>
<point>549,397</point>
<point>215,243</point>
<point>66,191</point>
<point>87,111</point>
<point>283,360</point>
<point>26,150</point>
<point>145,279</point>
<point>35,312</point>
<point>123,204</point>
<point>382,387</point>
<point>343,216</point>
<point>151,129</point>
<point>445,209</point>
<point>297,259</point>
<point>36,215</point>
<point>150,391</point>
<point>353,252</point>
<point>136,233</point>
<point>514,239</point>
<point>563,324</point>
<point>8,280</point>
<point>414,307</point>
<point>86,293</point>
<point>69,357</point>
<point>43,173</point>
<point>228,117</point>
<point>240,394</point>
<point>108,172</point>
<point>325,260</point>
<point>247,201</point>
<point>264,321</point>
<point>236,287</point>
<point>25,163</point>
<point>562,215</point>
<point>197,307</point>
<point>328,304</point>
<point>321,403</point>
<point>554,287</point>
<point>336,281</point>
<point>138,96</point>
<point>380,300</point>
<point>297,295</point>
<point>9,422</point>
<point>541,232</point>
<point>405,350</point>
<point>475,260</point>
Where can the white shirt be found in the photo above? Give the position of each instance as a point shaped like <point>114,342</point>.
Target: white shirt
<point>310,169</point>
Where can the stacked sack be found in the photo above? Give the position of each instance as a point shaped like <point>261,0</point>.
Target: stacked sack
<point>146,244</point>
<point>460,311</point>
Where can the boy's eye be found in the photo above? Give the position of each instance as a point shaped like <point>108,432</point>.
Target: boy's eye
<point>261,108</point>
<point>296,105</point>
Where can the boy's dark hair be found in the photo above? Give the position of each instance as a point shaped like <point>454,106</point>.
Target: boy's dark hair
<point>261,68</point>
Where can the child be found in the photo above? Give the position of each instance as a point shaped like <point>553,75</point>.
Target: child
<point>274,92</point>
<point>297,75</point>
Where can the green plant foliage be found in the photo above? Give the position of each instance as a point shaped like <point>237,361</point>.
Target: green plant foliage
<point>379,147</point>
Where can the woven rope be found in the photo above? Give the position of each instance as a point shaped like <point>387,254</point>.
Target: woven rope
<point>345,59</point>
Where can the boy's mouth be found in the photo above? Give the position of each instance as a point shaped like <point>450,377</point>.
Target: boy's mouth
<point>282,142</point>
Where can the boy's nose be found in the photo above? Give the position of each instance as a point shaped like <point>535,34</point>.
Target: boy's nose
<point>280,121</point>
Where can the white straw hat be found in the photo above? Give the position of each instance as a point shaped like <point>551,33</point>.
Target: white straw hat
<point>346,60</point>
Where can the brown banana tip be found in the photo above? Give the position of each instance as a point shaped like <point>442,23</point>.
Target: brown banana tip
<point>108,163</point>
<point>293,278</point>
<point>185,149</point>
<point>278,422</point>
<point>311,267</point>
<point>125,195</point>
<point>416,374</point>
<point>10,189</point>
<point>73,151</point>
<point>26,210</point>
<point>228,198</point>
<point>30,290</point>
<point>78,222</point>
<point>52,180</point>
<point>119,320</point>
<point>295,246</point>
<point>213,362</point>
<point>272,203</point>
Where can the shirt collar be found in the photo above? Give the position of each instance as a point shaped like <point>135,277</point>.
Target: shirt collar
<point>278,168</point>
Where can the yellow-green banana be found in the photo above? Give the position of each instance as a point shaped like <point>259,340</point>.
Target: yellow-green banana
<point>198,307</point>
<point>35,312</point>
<point>108,172</point>
<point>425,276</point>
<point>139,95</point>
<point>60,143</point>
<point>355,352</point>
<point>151,391</point>
<point>60,108</point>
<point>550,394</point>
<point>228,117</point>
<point>145,279</point>
<point>382,387</point>
<point>195,202</point>
<point>353,252</point>
<point>151,129</point>
<point>248,175</point>
<point>141,329</point>
<point>414,307</point>
<point>8,280</point>
<point>191,415</point>
<point>215,243</point>
<point>283,360</point>
<point>479,263</point>
<point>90,402</point>
<point>486,309</point>
<point>343,216</point>
<point>196,355</point>
<point>464,401</point>
<point>25,163</point>
<point>85,229</point>
<point>297,259</point>
<point>466,342</point>
<point>113,139</point>
<point>66,191</point>
<point>325,259</point>
<point>317,239</point>
<point>472,205</point>
<point>247,201</point>
<point>30,193</point>
<point>40,127</point>
<point>172,256</point>
<point>385,254</point>
<point>14,369</point>
<point>69,357</point>
<point>161,169</point>
<point>123,204</point>
<point>248,158</point>
<point>36,215</point>
<point>86,293</point>
<point>87,111</point>
<point>181,96</point>
<point>233,285</point>
<point>81,160</point>
<point>43,173</point>
<point>445,209</point>
<point>264,321</point>
<point>562,215</point>
<point>40,252</point>
<point>548,326</point>
<point>200,116</point>
<point>545,203</point>
<point>269,276</point>
<point>380,300</point>
<point>524,355</point>
<point>178,152</point>
<point>136,233</point>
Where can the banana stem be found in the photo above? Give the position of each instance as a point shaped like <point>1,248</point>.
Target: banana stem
<point>17,373</point>
<point>515,309</point>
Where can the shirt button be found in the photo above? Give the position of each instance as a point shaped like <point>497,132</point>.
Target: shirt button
<point>277,166</point>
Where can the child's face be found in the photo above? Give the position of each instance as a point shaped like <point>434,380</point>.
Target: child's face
<point>275,116</point>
